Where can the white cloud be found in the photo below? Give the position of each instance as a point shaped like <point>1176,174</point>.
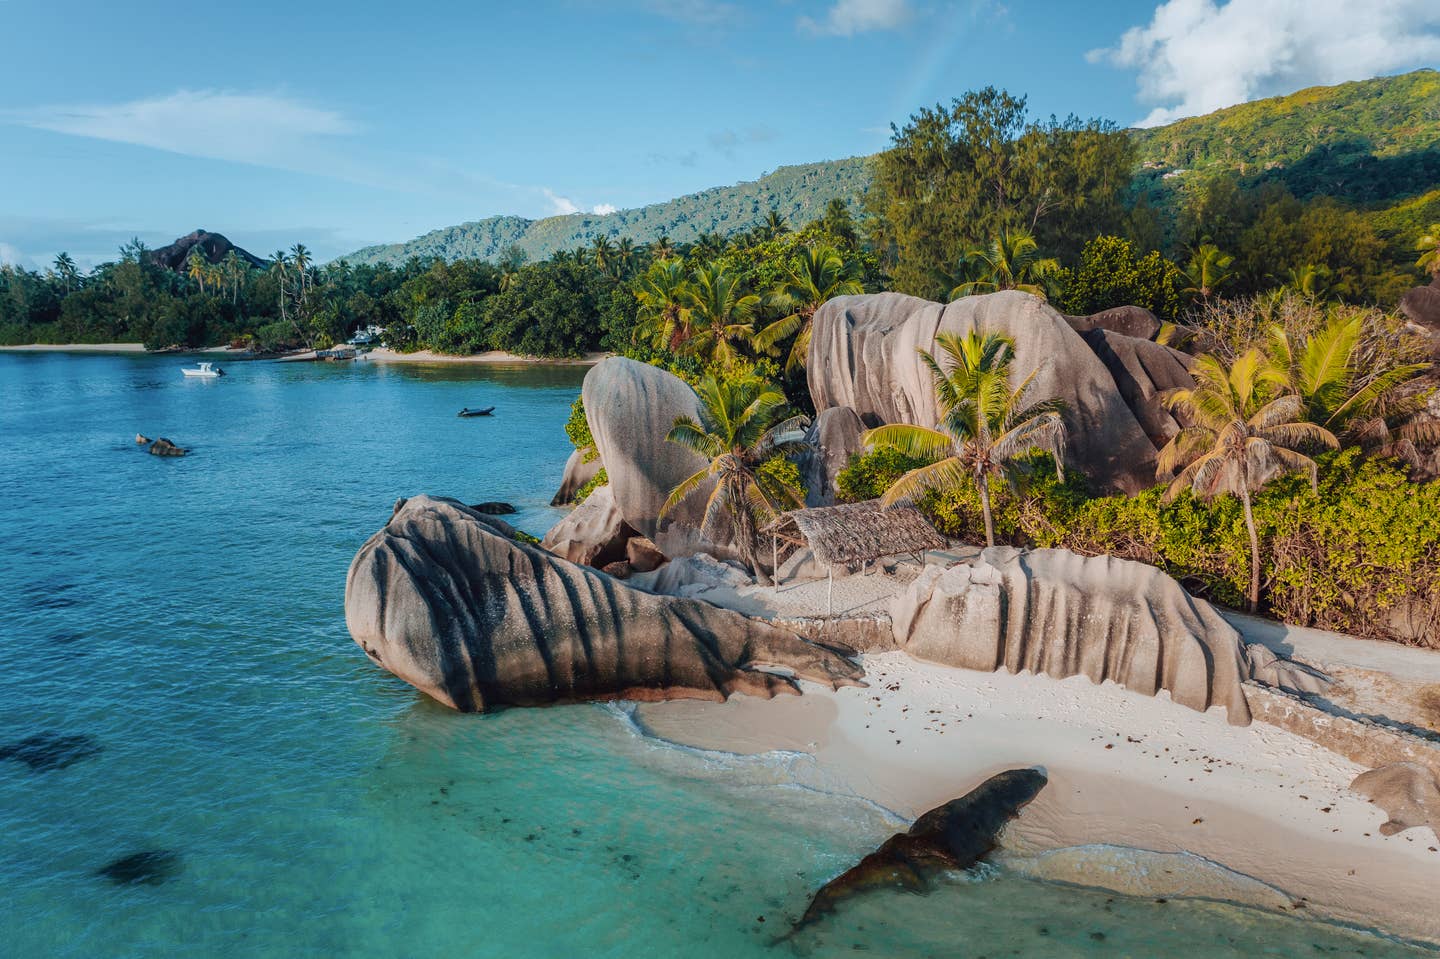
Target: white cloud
<point>1196,56</point>
<point>849,17</point>
<point>605,209</point>
<point>560,205</point>
<point>11,255</point>
<point>264,129</point>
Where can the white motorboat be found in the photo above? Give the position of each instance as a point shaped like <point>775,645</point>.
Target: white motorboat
<point>204,369</point>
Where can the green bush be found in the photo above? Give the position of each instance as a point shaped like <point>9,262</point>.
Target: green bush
<point>577,427</point>
<point>594,483</point>
<point>870,474</point>
<point>779,471</point>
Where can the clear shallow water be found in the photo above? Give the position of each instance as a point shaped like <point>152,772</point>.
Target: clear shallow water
<point>186,614</point>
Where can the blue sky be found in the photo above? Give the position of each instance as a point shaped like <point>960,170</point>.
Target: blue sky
<point>339,125</point>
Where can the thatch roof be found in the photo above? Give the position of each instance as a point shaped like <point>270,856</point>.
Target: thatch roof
<point>857,532</point>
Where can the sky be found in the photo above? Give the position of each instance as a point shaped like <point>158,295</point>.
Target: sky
<point>340,125</point>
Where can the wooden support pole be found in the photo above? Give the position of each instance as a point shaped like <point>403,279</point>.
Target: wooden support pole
<point>775,560</point>
<point>830,595</point>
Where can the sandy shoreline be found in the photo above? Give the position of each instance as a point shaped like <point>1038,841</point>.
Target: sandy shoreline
<point>1125,771</point>
<point>75,348</point>
<point>492,357</point>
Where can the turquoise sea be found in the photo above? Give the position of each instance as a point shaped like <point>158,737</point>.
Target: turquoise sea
<point>182,621</point>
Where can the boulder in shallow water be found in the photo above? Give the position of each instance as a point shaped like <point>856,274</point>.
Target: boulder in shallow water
<point>44,752</point>
<point>864,354</point>
<point>494,508</point>
<point>1055,612</point>
<point>478,621</point>
<point>163,447</point>
<point>150,867</point>
<point>1408,792</point>
<point>594,533</point>
<point>141,439</point>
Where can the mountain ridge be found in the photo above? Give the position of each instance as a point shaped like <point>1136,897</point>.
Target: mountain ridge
<point>1373,143</point>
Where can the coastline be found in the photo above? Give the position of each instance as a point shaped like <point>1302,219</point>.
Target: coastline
<point>492,357</point>
<point>75,348</point>
<point>1256,814</point>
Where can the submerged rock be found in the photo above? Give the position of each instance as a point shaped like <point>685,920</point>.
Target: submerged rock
<point>953,836</point>
<point>1408,792</point>
<point>1055,612</point>
<point>44,752</point>
<point>864,354</point>
<point>449,604</point>
<point>494,508</point>
<point>150,867</point>
<point>141,439</point>
<point>163,447</point>
<point>577,474</point>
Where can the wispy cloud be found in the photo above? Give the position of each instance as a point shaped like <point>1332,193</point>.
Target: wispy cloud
<point>605,209</point>
<point>1195,56</point>
<point>846,18</point>
<point>559,205</point>
<point>257,128</point>
<point>726,141</point>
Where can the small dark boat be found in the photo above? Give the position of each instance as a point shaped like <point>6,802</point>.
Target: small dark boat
<point>467,411</point>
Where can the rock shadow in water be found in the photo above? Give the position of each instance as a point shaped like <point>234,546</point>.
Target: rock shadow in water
<point>149,867</point>
<point>45,752</point>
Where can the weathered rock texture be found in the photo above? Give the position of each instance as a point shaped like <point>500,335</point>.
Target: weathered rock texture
<point>1055,612</point>
<point>864,354</point>
<point>163,447</point>
<point>577,474</point>
<point>832,439</point>
<point>1142,372</point>
<point>1421,306</point>
<point>1127,320</point>
<point>594,533</point>
<point>631,407</point>
<point>477,620</point>
<point>1408,792</point>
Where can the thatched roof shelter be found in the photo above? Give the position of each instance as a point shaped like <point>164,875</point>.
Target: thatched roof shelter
<point>857,532</point>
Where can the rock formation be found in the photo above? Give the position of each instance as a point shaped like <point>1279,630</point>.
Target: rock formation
<point>1142,372</point>
<point>212,246</point>
<point>594,533</point>
<point>831,440</point>
<point>163,447</point>
<point>692,575</point>
<point>643,555</point>
<point>948,838</point>
<point>577,474</point>
<point>864,354</point>
<point>631,407</point>
<point>1408,792</point>
<point>1421,307</point>
<point>494,508</point>
<point>444,600</point>
<point>1055,612</point>
<point>141,439</point>
<point>1133,321</point>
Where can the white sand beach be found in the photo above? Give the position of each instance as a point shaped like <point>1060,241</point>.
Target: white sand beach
<point>76,348</point>
<point>1125,770</point>
<point>495,357</point>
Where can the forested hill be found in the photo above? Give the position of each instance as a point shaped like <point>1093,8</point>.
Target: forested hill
<point>799,193</point>
<point>1373,143</point>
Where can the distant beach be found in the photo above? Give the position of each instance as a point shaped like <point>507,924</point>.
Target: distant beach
<point>76,348</point>
<point>383,355</point>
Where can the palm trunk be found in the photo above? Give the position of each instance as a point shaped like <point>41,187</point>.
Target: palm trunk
<point>1254,598</point>
<point>984,483</point>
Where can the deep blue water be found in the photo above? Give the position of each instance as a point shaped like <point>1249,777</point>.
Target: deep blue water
<point>186,616</point>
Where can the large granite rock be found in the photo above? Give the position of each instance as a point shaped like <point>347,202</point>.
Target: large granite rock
<point>631,407</point>
<point>446,601</point>
<point>1133,321</point>
<point>832,439</point>
<point>1408,792</point>
<point>1055,612</point>
<point>1142,372</point>
<point>577,474</point>
<point>163,447</point>
<point>593,534</point>
<point>864,354</point>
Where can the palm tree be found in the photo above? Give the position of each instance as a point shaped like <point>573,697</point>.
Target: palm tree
<point>1012,261</point>
<point>815,275</point>
<point>707,247</point>
<point>1207,271</point>
<point>625,255</point>
<point>838,222</point>
<point>234,270</point>
<point>1341,389</point>
<point>602,251</point>
<point>1314,282</point>
<point>664,315</point>
<point>985,427</point>
<point>1242,435</point>
<point>721,315</point>
<point>662,249</point>
<point>279,260</point>
<point>65,267</point>
<point>1429,247</point>
<point>301,260</point>
<point>196,267</point>
<point>740,427</point>
<point>772,226</point>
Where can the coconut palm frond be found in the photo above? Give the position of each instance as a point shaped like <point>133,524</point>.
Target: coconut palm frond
<point>913,441</point>
<point>948,473</point>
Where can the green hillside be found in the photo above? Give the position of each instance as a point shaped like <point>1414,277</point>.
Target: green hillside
<point>800,193</point>
<point>1373,144</point>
